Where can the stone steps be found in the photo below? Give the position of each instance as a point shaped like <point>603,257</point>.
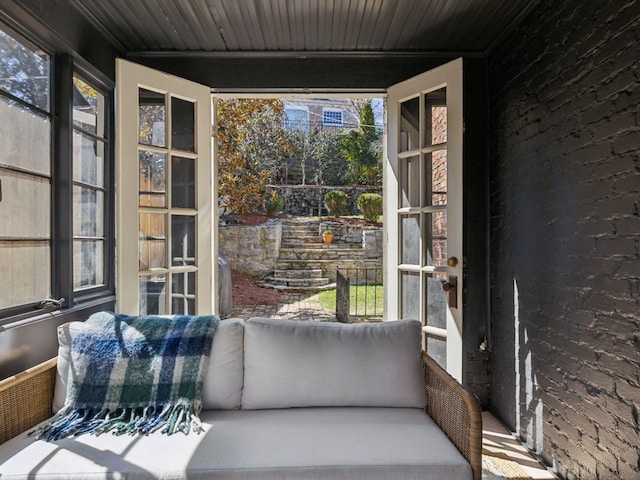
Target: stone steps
<point>301,233</point>
<point>299,267</point>
<point>300,283</point>
<point>316,252</point>
<point>289,289</point>
<point>291,273</point>
<point>309,273</point>
<point>302,239</point>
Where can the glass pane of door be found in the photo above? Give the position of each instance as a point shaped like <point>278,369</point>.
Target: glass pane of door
<point>183,182</point>
<point>152,114</point>
<point>183,133</point>
<point>410,182</point>
<point>409,124</point>
<point>152,295</point>
<point>410,294</point>
<point>435,117</point>
<point>152,182</point>
<point>183,293</point>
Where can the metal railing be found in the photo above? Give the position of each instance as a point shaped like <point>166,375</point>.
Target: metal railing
<point>358,294</point>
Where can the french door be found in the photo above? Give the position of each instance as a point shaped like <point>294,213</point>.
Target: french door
<point>423,209</point>
<point>166,194</point>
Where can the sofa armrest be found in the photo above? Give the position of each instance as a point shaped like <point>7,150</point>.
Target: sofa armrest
<point>456,411</point>
<point>26,398</point>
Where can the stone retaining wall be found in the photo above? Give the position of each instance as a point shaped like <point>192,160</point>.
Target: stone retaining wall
<point>305,200</point>
<point>255,249</point>
<point>369,237</point>
<point>251,249</point>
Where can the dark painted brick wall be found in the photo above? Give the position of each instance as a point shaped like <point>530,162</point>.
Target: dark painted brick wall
<point>565,235</point>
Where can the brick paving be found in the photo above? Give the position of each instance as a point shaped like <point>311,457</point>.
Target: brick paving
<point>292,306</point>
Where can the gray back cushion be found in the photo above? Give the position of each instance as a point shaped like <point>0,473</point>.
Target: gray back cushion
<point>305,364</point>
<point>222,387</point>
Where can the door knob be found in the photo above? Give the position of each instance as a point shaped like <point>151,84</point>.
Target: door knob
<point>451,287</point>
<point>452,261</point>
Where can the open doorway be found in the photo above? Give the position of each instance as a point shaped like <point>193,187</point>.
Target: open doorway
<point>300,202</point>
<point>423,218</point>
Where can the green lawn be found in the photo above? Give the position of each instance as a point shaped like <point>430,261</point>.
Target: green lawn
<point>367,299</point>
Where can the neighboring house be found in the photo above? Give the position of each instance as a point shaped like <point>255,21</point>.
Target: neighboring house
<point>314,113</point>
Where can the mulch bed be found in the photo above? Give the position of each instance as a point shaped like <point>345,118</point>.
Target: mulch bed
<point>246,292</point>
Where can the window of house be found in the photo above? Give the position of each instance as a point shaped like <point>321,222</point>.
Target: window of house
<point>297,119</point>
<point>332,117</point>
<point>25,173</point>
<point>89,186</point>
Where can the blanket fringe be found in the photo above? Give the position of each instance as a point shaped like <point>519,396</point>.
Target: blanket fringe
<point>171,419</point>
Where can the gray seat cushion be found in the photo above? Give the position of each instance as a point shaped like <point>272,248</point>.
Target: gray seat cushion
<point>305,443</point>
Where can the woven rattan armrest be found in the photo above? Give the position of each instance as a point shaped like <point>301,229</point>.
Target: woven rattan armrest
<point>26,398</point>
<point>456,411</point>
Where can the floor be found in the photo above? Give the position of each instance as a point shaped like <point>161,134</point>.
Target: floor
<point>504,457</point>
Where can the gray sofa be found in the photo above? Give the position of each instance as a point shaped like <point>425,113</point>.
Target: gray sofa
<point>282,400</point>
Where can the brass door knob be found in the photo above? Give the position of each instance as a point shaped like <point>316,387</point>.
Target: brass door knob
<point>452,261</point>
<point>446,286</point>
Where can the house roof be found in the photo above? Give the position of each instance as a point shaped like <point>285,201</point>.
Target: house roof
<point>291,26</point>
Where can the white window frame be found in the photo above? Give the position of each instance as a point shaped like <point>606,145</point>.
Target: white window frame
<point>301,108</point>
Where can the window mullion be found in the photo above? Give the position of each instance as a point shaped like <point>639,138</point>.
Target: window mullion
<point>62,190</point>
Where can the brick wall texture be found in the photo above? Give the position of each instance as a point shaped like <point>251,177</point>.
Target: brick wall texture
<point>565,235</point>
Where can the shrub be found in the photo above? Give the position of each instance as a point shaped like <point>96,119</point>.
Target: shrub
<point>273,203</point>
<point>370,204</point>
<point>336,202</point>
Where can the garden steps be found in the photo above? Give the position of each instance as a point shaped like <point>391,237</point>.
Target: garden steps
<point>310,273</point>
<point>302,254</point>
<point>298,283</point>
<point>317,252</point>
<point>298,265</point>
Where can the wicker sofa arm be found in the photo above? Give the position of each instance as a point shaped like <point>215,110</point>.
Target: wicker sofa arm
<point>456,411</point>
<point>26,398</point>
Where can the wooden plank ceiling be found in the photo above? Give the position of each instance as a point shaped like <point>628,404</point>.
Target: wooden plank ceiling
<point>471,26</point>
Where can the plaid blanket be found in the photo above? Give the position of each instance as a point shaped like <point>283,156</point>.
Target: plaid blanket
<point>135,375</point>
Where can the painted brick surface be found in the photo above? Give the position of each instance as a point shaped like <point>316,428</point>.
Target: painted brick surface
<point>565,235</point>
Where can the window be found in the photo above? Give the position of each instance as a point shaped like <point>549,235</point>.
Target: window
<point>56,194</point>
<point>89,145</point>
<point>297,119</point>
<point>332,117</point>
<point>25,173</point>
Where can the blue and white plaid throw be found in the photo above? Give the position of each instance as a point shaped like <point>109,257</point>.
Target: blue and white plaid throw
<point>135,375</point>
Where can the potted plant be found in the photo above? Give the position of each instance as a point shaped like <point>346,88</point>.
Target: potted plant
<point>327,236</point>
